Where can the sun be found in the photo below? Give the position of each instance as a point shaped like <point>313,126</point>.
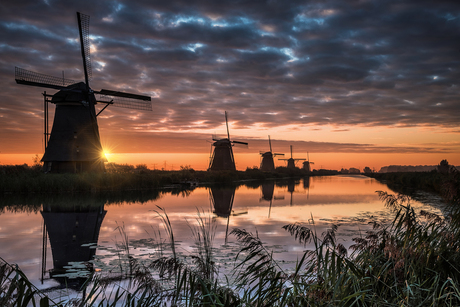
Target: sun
<point>106,153</point>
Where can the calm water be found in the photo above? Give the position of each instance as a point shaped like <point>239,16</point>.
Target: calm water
<point>79,229</point>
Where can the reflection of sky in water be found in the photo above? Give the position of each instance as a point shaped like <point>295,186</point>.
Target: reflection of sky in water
<point>348,201</point>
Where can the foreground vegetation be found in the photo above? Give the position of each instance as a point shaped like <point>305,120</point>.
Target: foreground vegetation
<point>23,179</point>
<point>412,261</point>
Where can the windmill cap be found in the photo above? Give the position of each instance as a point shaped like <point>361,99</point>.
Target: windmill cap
<point>72,94</point>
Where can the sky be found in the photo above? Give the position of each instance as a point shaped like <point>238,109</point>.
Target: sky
<point>351,83</point>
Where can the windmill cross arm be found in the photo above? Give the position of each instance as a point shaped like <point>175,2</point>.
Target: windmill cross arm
<point>238,142</point>
<point>278,154</point>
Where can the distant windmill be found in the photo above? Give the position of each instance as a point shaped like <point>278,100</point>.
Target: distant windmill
<point>291,161</point>
<point>222,157</point>
<point>306,164</point>
<point>74,144</point>
<point>267,163</point>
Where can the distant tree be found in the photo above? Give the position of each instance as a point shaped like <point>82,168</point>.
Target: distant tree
<point>37,163</point>
<point>186,168</point>
<point>141,168</point>
<point>443,167</point>
<point>354,170</point>
<point>367,170</point>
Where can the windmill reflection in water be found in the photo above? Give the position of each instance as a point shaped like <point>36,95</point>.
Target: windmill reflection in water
<point>222,202</point>
<point>73,231</point>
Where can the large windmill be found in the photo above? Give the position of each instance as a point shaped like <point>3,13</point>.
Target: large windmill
<point>74,144</point>
<point>291,161</point>
<point>222,157</point>
<point>267,163</point>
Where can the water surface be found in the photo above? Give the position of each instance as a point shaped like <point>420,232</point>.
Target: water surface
<point>43,235</point>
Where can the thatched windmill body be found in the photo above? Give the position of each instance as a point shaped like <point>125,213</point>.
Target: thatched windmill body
<point>291,161</point>
<point>267,164</point>
<point>74,143</point>
<point>222,156</point>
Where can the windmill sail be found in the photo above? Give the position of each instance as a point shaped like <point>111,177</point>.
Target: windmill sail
<point>27,77</point>
<point>83,28</point>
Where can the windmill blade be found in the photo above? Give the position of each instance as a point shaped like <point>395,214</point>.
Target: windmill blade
<point>226,122</point>
<point>123,94</point>
<point>27,77</point>
<point>242,143</point>
<point>278,154</point>
<point>270,142</point>
<point>83,27</point>
<point>125,102</point>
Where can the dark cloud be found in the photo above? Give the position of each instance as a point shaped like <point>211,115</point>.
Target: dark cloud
<point>368,63</point>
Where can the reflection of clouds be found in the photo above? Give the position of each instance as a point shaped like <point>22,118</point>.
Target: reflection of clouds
<point>351,210</point>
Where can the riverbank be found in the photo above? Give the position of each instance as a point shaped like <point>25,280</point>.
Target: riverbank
<point>445,184</point>
<point>21,179</point>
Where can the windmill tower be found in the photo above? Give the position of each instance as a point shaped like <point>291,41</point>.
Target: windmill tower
<point>306,164</point>
<point>222,157</point>
<point>267,164</point>
<point>74,144</point>
<point>291,161</point>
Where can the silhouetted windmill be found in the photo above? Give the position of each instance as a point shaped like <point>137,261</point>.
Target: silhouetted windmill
<point>291,161</point>
<point>222,157</point>
<point>74,144</point>
<point>267,163</point>
<point>306,164</point>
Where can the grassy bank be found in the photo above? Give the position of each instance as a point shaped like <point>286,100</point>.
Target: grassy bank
<point>21,179</point>
<point>444,184</point>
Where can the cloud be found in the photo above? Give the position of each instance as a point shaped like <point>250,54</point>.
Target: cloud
<point>315,63</point>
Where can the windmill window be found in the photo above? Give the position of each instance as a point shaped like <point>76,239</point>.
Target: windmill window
<point>75,134</point>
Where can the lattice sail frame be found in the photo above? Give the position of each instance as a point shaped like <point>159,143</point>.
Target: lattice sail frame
<point>123,102</point>
<point>24,76</point>
<point>86,43</point>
